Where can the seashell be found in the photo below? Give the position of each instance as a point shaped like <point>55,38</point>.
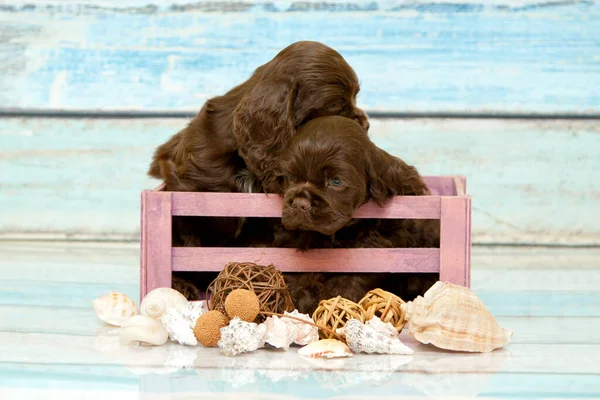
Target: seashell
<point>306,333</point>
<point>114,308</point>
<point>178,328</point>
<point>159,300</point>
<point>280,332</point>
<point>241,337</point>
<point>452,317</point>
<point>180,321</point>
<point>325,348</point>
<point>384,327</point>
<point>363,338</point>
<point>143,329</point>
<point>192,310</point>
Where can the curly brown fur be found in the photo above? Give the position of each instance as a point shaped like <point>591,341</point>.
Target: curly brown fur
<point>305,81</point>
<point>186,288</point>
<point>234,142</point>
<point>329,169</point>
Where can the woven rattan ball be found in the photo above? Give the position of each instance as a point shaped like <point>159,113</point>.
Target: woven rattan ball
<point>335,312</point>
<point>266,281</point>
<point>385,305</point>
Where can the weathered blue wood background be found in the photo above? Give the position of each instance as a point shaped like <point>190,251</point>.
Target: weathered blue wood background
<point>533,181</point>
<point>411,56</point>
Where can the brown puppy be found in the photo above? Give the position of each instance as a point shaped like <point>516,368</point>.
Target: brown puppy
<point>234,142</point>
<point>329,169</point>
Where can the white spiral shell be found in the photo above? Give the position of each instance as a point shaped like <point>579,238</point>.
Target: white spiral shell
<point>143,329</point>
<point>363,338</point>
<point>159,300</point>
<point>114,308</point>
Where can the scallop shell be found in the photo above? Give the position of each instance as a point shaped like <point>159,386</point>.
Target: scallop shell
<point>325,348</point>
<point>452,317</point>
<point>241,337</point>
<point>114,308</point>
<point>143,329</point>
<point>306,333</point>
<point>363,338</point>
<point>159,300</point>
<point>280,332</point>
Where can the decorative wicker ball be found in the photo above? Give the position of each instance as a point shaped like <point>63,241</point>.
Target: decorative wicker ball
<point>334,313</point>
<point>265,281</point>
<point>242,303</point>
<point>208,328</point>
<point>385,305</point>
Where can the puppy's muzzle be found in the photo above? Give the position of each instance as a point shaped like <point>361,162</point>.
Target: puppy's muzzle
<point>301,204</point>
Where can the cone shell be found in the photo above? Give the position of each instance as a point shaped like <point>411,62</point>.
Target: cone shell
<point>363,338</point>
<point>452,317</point>
<point>114,308</point>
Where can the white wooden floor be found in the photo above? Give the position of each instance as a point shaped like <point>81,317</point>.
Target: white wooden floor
<point>52,345</point>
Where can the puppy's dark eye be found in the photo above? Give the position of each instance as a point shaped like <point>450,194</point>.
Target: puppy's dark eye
<point>336,182</point>
<point>292,178</point>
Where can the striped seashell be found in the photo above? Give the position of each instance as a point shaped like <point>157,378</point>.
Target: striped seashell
<point>452,317</point>
<point>114,308</point>
<point>325,348</point>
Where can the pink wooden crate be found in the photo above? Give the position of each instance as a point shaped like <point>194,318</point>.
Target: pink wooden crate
<point>449,203</point>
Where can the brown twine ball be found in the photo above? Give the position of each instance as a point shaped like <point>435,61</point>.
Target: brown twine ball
<point>265,281</point>
<point>385,305</point>
<point>334,313</point>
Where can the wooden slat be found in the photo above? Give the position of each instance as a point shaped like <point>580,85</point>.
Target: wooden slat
<point>455,246</point>
<point>143,245</point>
<point>499,302</point>
<point>469,239</point>
<point>442,185</point>
<point>92,172</point>
<point>157,241</point>
<point>438,185</point>
<point>328,260</point>
<point>409,56</point>
<point>460,185</point>
<point>261,205</point>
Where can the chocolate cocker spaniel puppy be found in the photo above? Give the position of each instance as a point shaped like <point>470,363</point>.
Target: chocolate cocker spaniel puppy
<point>235,141</point>
<point>329,169</point>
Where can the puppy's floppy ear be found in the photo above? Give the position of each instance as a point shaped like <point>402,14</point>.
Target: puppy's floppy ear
<point>163,164</point>
<point>390,176</point>
<point>263,123</point>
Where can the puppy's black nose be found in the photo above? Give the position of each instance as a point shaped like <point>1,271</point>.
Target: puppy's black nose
<point>300,203</point>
